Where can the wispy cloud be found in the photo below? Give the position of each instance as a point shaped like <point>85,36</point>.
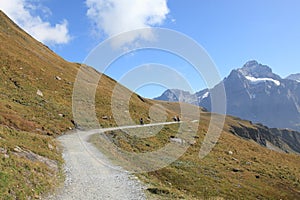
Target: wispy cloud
<point>111,17</point>
<point>22,13</point>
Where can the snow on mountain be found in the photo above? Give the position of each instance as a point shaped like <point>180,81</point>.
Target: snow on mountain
<point>205,95</point>
<point>255,93</point>
<point>254,80</point>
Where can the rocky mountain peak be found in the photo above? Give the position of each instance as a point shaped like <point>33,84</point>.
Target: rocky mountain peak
<point>257,70</point>
<point>175,95</point>
<point>255,93</point>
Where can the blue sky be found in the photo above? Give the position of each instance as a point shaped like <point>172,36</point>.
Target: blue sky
<point>231,31</point>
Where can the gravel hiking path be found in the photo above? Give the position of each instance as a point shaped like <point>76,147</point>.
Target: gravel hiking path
<point>87,177</point>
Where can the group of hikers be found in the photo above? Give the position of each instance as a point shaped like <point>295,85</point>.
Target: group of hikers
<point>175,118</point>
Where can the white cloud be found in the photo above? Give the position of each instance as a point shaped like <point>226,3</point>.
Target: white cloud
<point>112,17</point>
<point>21,12</point>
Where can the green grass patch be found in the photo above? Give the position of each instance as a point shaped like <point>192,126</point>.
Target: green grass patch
<point>21,178</point>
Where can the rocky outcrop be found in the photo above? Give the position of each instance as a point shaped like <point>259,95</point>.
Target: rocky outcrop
<point>284,139</point>
<point>289,137</point>
<point>18,151</point>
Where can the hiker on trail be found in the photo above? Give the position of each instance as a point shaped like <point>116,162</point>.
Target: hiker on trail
<point>141,121</point>
<point>175,118</point>
<point>178,119</point>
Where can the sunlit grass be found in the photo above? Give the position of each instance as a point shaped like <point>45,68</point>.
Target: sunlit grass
<point>249,171</point>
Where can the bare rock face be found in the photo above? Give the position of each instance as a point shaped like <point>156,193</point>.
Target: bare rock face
<point>284,139</point>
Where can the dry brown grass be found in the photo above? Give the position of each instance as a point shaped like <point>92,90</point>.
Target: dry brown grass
<point>27,66</point>
<point>251,172</point>
<point>22,178</point>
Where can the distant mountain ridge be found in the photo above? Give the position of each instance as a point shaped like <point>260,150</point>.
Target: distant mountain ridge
<point>295,77</point>
<point>255,93</point>
<point>175,95</point>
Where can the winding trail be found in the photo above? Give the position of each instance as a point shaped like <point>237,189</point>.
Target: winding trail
<point>87,177</point>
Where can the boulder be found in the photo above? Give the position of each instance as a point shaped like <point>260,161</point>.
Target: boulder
<point>39,93</point>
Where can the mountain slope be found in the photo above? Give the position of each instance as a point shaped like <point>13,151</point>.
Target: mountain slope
<point>255,93</point>
<point>295,77</point>
<point>236,168</point>
<point>27,67</point>
<point>36,87</point>
<point>36,105</point>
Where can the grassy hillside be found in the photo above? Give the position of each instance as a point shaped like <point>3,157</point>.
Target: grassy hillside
<point>30,164</point>
<point>26,67</point>
<point>235,169</point>
<point>36,88</point>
